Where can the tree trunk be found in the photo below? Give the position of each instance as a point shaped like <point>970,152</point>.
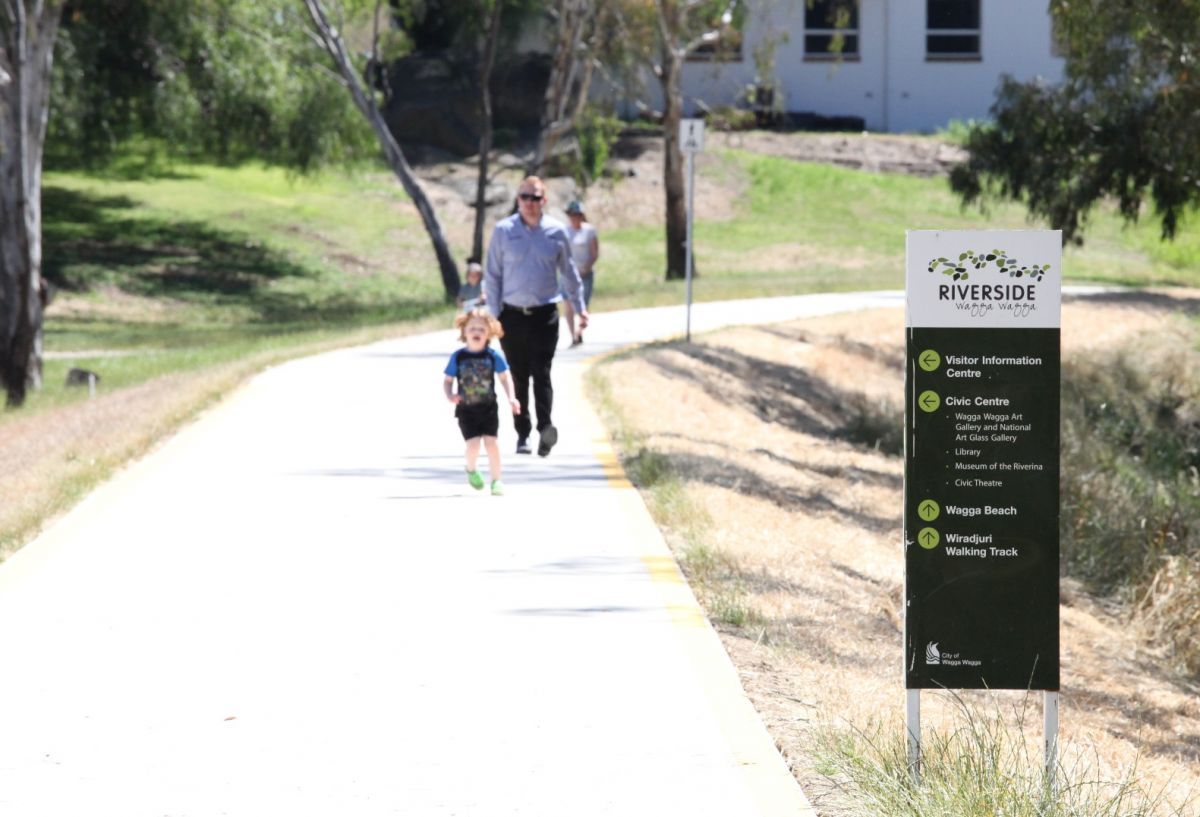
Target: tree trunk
<point>673,182</point>
<point>485,138</point>
<point>564,101</point>
<point>395,157</point>
<point>27,33</point>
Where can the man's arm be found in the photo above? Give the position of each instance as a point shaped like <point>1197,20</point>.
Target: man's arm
<point>493,277</point>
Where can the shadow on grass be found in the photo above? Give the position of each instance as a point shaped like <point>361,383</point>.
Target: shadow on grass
<point>96,241</point>
<point>788,395</point>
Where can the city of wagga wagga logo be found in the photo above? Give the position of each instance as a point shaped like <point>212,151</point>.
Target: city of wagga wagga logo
<point>1017,295</point>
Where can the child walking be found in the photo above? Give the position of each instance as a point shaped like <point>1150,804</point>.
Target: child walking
<point>475,367</point>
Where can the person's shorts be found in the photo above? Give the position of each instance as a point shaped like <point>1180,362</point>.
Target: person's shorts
<point>478,419</point>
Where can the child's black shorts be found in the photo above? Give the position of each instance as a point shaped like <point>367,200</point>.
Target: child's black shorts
<point>478,419</point>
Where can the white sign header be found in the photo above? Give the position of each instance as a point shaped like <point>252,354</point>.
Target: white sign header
<point>691,135</point>
<point>988,279</point>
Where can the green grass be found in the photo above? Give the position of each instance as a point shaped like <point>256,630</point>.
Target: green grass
<point>242,244</point>
<point>177,268</point>
<point>807,228</point>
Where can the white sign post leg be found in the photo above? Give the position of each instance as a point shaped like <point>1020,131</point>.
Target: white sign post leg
<point>1050,735</point>
<point>912,723</point>
<point>691,188</point>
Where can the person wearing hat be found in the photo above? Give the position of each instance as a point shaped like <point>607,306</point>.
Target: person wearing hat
<point>470,293</point>
<point>585,249</point>
<point>529,269</point>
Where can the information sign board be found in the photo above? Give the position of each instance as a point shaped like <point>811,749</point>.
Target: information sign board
<point>691,135</point>
<point>981,460</point>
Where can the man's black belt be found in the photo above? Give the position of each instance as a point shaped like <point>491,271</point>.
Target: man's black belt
<point>528,310</point>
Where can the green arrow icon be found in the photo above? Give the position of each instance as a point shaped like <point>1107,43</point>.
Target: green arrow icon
<point>929,510</point>
<point>929,401</point>
<point>929,360</point>
<point>928,538</point>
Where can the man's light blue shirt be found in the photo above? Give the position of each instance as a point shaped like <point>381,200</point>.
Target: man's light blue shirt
<point>524,265</point>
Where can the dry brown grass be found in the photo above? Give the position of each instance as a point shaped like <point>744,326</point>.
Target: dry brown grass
<point>803,532</point>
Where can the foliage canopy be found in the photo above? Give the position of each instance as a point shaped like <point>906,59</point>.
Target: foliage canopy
<point>1125,122</point>
<point>171,69</point>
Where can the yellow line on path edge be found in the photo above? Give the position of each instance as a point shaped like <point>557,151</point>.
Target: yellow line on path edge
<point>766,774</point>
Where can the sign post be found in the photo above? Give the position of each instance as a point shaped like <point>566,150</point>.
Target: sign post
<point>981,467</point>
<point>691,142</point>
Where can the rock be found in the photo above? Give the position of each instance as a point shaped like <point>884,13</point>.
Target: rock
<point>81,377</point>
<point>435,104</point>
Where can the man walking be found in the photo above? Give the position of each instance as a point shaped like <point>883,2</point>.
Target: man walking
<point>528,255</point>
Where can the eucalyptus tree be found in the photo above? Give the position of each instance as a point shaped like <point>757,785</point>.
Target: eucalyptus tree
<point>1124,123</point>
<point>223,80</point>
<point>28,29</point>
<point>329,37</point>
<point>491,43</point>
<point>583,39</point>
<point>664,33</point>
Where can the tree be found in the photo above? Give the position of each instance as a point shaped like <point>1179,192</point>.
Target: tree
<point>485,136</point>
<point>330,39</point>
<point>1124,123</point>
<point>127,71</point>
<point>578,37</point>
<point>682,28</point>
<point>27,32</point>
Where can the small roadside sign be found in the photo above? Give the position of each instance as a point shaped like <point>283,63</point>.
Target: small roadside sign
<point>691,135</point>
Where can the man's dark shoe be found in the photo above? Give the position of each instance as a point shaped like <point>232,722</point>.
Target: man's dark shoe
<point>549,436</point>
<point>523,446</point>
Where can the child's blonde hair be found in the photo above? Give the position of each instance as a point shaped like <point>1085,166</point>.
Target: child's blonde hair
<point>495,330</point>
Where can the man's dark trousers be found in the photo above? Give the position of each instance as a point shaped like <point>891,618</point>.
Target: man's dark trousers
<point>530,338</point>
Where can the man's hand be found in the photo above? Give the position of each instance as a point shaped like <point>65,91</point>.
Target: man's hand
<point>583,320</point>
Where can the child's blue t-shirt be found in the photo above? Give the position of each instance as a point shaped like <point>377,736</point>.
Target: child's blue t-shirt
<point>476,373</point>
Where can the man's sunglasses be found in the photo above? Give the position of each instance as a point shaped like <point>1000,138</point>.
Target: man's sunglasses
<point>529,197</point>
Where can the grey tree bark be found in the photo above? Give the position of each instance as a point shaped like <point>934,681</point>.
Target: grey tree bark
<point>27,32</point>
<point>332,42</point>
<point>485,138</point>
<point>570,77</point>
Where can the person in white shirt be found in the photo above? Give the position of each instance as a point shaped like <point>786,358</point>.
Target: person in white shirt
<point>585,249</point>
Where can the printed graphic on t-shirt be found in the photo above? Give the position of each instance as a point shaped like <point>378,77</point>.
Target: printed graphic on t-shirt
<point>475,379</point>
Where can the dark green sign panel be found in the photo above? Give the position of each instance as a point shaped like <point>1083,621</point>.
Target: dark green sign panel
<point>981,461</point>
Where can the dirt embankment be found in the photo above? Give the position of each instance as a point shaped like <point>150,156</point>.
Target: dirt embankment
<point>803,531</point>
<point>636,198</point>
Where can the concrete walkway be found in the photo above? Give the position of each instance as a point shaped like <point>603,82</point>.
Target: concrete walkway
<point>298,607</point>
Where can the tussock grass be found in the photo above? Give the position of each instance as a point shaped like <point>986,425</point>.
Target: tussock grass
<point>1131,482</point>
<point>984,762</point>
<point>875,422</point>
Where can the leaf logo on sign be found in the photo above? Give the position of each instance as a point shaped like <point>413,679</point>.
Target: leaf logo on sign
<point>960,270</point>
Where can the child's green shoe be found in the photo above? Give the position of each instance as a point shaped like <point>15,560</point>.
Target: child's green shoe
<point>476,480</point>
<point>497,488</point>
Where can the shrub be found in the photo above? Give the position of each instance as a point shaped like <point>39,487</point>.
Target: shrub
<point>729,118</point>
<point>596,133</point>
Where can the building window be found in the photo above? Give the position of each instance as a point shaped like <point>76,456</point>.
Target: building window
<point>831,30</point>
<point>725,48</point>
<point>952,30</point>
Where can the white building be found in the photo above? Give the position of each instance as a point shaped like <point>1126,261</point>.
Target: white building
<point>904,65</point>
